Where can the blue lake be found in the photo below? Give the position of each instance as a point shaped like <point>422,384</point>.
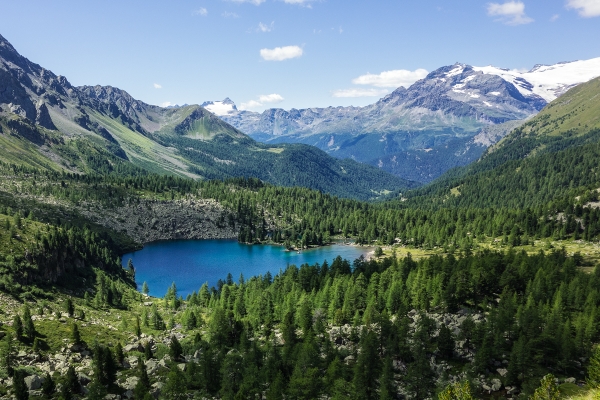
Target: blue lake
<point>190,263</point>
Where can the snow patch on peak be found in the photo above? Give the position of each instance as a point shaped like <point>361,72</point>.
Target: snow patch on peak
<point>221,108</point>
<point>548,81</point>
<point>457,70</point>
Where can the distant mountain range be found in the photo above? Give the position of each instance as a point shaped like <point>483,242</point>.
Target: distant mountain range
<point>445,120</point>
<point>45,122</point>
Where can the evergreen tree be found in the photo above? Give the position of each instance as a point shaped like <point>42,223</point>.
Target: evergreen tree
<point>18,326</point>
<point>548,389</point>
<point>28,326</point>
<point>6,355</point>
<point>174,387</point>
<point>145,288</point>
<point>445,342</point>
<point>387,389</point>
<point>148,351</point>
<point>75,335</point>
<point>69,307</point>
<point>175,349</point>
<point>71,385</point>
<point>20,390</point>
<point>457,391</point>
<point>593,372</point>
<point>48,386</point>
<point>142,387</point>
<point>367,367</point>
<point>96,390</point>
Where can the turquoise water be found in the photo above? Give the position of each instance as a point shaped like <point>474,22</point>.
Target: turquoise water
<point>190,263</point>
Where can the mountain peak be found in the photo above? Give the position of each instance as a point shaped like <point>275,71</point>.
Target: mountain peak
<point>221,108</point>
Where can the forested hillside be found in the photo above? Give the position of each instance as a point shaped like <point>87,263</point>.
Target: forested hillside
<point>553,156</point>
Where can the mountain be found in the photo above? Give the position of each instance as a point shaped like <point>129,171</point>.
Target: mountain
<point>551,158</point>
<point>47,122</point>
<point>420,132</point>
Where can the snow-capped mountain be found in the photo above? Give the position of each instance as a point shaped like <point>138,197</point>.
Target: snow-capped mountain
<point>221,108</point>
<point>420,132</point>
<point>548,81</point>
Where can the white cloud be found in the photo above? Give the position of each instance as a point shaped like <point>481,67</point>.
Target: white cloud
<point>281,53</point>
<point>255,2</point>
<point>265,28</point>
<point>166,104</point>
<point>227,14</point>
<point>586,8</point>
<point>270,98</point>
<point>359,92</point>
<point>157,86</point>
<point>510,13</point>
<point>201,11</point>
<point>391,79</point>
<point>554,17</point>
<point>249,105</point>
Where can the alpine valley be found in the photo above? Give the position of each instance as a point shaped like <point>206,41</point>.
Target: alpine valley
<point>445,120</point>
<point>483,283</point>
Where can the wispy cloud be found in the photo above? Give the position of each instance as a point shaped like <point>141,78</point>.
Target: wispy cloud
<point>270,98</point>
<point>509,13</point>
<point>166,104</point>
<point>203,12</point>
<point>265,28</point>
<point>263,99</point>
<point>359,92</point>
<point>281,53</point>
<point>391,79</point>
<point>228,14</point>
<point>255,2</point>
<point>157,86</point>
<point>554,17</point>
<point>585,8</point>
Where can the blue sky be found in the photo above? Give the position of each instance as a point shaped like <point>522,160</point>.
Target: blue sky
<point>290,53</point>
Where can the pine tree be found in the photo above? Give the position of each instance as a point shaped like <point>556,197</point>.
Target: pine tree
<point>20,390</point>
<point>548,389</point>
<point>6,355</point>
<point>18,326</point>
<point>457,391</point>
<point>145,288</point>
<point>28,326</point>
<point>143,385</point>
<point>175,349</point>
<point>48,386</point>
<point>593,372</point>
<point>174,387</point>
<point>75,335</point>
<point>96,390</point>
<point>69,307</point>
<point>71,385</point>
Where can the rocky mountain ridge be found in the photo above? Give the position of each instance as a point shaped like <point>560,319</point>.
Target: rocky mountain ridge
<point>52,124</point>
<point>421,131</point>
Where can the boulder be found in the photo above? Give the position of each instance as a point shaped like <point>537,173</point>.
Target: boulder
<point>33,382</point>
<point>496,384</point>
<point>156,389</point>
<point>570,380</point>
<point>133,347</point>
<point>151,366</point>
<point>130,383</point>
<point>502,371</point>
